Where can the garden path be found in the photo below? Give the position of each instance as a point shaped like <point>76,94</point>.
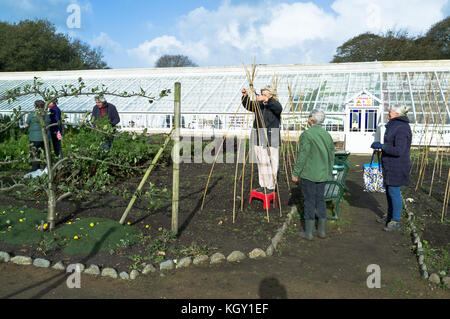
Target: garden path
<point>335,267</point>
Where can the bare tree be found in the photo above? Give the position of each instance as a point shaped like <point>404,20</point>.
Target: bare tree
<point>173,61</point>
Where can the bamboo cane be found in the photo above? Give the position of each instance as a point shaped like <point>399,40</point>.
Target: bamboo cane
<point>235,181</point>
<point>245,161</point>
<point>443,126</point>
<point>421,149</point>
<point>144,179</point>
<point>285,169</point>
<point>215,159</point>
<point>446,197</point>
<point>275,81</point>
<point>286,148</point>
<point>258,115</point>
<point>424,161</point>
<point>436,127</point>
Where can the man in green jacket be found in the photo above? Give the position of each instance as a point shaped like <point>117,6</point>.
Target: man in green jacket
<point>314,167</point>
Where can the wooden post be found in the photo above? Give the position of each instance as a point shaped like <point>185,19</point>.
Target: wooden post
<point>176,157</point>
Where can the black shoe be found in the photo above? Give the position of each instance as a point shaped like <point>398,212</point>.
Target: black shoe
<point>260,190</point>
<point>383,220</point>
<point>269,191</point>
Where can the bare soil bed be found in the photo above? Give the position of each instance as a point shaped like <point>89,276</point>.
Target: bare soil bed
<point>200,231</point>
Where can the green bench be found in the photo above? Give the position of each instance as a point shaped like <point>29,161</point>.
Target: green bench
<point>341,158</point>
<point>335,188</point>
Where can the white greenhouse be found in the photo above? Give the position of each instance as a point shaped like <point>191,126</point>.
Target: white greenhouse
<point>355,96</point>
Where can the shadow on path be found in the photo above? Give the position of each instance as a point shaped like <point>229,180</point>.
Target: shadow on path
<point>357,197</point>
<point>270,288</point>
<point>60,276</point>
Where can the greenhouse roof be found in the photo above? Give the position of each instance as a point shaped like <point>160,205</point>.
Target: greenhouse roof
<point>423,85</point>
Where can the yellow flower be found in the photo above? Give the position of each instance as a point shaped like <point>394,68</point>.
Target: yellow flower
<point>45,226</point>
<point>9,227</point>
<point>128,223</point>
<point>147,226</point>
<point>75,237</point>
<point>91,224</point>
<point>69,223</point>
<point>20,220</point>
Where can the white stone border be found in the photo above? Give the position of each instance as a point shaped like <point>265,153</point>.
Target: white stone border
<point>217,258</point>
<point>434,278</point>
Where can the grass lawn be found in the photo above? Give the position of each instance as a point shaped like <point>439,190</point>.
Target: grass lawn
<point>26,226</point>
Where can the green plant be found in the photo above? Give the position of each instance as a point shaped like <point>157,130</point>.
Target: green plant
<point>194,249</point>
<point>161,245</point>
<point>15,149</point>
<point>138,262</point>
<point>437,259</point>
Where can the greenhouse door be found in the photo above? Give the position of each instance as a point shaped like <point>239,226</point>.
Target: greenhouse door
<point>362,126</point>
<point>363,116</point>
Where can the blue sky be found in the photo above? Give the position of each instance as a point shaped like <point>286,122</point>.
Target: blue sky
<point>134,33</point>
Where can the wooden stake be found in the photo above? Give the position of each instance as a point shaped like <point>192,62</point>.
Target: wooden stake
<point>176,158</point>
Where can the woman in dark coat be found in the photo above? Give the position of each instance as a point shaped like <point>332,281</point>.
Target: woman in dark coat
<point>396,163</point>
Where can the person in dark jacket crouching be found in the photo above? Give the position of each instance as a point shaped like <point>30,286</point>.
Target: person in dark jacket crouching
<point>101,109</point>
<point>396,163</point>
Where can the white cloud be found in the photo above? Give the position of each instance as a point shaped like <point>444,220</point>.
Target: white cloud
<point>414,15</point>
<point>278,33</point>
<point>150,51</point>
<point>106,43</point>
<point>293,24</point>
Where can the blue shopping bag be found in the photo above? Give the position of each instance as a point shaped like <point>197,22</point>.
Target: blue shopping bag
<point>373,176</point>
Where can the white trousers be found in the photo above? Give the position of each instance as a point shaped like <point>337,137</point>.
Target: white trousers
<point>267,161</point>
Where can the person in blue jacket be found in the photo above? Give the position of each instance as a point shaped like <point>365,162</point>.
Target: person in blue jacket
<point>55,127</point>
<point>396,163</point>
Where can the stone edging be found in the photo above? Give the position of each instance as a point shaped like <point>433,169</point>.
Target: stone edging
<point>217,258</point>
<point>434,278</point>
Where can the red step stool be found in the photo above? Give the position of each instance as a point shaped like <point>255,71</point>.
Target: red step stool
<point>267,198</point>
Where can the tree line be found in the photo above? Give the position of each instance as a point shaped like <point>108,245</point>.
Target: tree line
<point>397,46</point>
<point>36,46</point>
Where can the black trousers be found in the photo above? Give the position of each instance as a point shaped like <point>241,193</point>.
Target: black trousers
<point>36,149</point>
<point>56,145</point>
<point>314,197</point>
